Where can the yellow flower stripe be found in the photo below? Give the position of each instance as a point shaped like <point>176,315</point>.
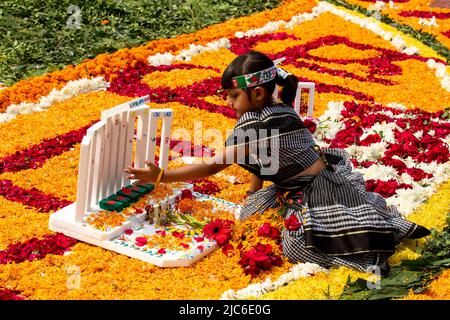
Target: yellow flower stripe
<point>18,223</point>
<point>321,286</point>
<point>177,78</point>
<point>58,176</point>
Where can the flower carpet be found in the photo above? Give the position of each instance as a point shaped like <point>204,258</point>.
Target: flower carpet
<point>381,94</point>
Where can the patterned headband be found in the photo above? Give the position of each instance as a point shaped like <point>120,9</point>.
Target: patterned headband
<point>256,78</point>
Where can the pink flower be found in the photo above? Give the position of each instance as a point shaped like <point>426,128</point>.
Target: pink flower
<point>199,238</point>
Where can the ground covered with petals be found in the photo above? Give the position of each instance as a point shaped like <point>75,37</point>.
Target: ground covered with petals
<point>381,95</point>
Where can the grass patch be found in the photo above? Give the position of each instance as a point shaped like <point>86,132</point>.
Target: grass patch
<point>39,36</point>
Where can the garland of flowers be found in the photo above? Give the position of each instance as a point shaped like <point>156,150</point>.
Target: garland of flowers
<point>71,89</point>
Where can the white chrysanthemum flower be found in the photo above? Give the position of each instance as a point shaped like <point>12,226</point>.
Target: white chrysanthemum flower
<point>418,134</point>
<point>404,208</point>
<point>161,59</point>
<point>378,172</point>
<point>411,50</point>
<point>410,163</point>
<point>380,5</point>
<point>228,295</point>
<point>373,152</point>
<point>396,105</point>
<point>398,42</point>
<point>386,35</point>
<point>333,112</point>
<point>406,178</point>
<point>428,22</point>
<point>5,117</point>
<point>354,151</point>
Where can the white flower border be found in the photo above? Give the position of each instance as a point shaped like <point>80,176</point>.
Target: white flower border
<point>70,90</point>
<point>300,270</point>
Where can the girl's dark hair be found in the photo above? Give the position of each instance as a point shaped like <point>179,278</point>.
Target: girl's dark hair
<point>255,61</point>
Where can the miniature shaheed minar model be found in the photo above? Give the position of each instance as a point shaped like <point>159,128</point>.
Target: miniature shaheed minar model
<point>104,192</point>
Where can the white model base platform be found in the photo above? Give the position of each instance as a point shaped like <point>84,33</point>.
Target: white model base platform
<point>118,241</point>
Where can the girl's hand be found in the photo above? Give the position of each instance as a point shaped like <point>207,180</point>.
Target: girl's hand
<point>149,174</point>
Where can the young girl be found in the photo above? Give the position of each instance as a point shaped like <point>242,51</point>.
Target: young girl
<point>331,219</point>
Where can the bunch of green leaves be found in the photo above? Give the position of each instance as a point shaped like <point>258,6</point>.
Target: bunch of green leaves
<point>39,36</point>
<point>176,217</point>
<point>410,275</point>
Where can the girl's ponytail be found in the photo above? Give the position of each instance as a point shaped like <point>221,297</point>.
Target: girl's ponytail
<point>289,83</point>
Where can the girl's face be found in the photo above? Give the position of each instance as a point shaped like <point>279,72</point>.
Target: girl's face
<point>242,102</point>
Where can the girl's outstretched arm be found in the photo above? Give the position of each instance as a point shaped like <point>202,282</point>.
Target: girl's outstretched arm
<point>222,160</point>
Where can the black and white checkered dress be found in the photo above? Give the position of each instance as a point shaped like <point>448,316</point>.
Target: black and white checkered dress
<point>342,223</point>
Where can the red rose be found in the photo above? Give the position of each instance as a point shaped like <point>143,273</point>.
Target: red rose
<point>179,235</point>
<point>258,258</point>
<point>141,241</point>
<point>128,231</point>
<point>161,251</point>
<point>372,138</point>
<point>266,230</point>
<point>418,174</point>
<point>186,194</point>
<point>292,223</point>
